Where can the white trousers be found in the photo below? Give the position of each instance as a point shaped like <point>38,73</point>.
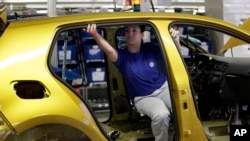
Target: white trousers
<point>158,107</point>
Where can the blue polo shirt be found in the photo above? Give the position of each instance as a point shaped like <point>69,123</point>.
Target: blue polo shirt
<point>140,70</point>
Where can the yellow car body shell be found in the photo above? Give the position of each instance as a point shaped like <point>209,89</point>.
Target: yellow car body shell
<point>26,45</point>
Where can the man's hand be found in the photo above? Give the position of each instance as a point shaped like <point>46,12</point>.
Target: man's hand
<point>174,32</point>
<point>91,28</point>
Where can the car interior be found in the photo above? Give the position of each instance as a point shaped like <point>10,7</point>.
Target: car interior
<point>219,82</point>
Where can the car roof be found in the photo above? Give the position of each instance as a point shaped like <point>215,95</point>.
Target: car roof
<point>116,16</point>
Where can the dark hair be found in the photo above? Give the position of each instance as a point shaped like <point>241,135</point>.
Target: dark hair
<point>142,27</point>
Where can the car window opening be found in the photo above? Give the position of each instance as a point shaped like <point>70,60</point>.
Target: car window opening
<point>101,84</point>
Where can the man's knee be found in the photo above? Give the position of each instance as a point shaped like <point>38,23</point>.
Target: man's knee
<point>161,116</point>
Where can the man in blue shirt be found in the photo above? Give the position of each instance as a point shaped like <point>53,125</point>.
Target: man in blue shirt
<point>147,86</point>
<point>140,70</point>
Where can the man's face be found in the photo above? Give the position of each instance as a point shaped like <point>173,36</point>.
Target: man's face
<point>133,35</point>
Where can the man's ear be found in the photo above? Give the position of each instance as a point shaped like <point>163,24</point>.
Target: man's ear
<point>142,34</point>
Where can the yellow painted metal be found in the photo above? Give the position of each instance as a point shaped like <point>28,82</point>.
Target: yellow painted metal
<point>188,124</point>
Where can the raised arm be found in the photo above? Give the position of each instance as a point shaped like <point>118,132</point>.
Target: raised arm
<point>102,43</point>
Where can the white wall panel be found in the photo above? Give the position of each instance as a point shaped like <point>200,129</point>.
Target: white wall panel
<point>229,10</point>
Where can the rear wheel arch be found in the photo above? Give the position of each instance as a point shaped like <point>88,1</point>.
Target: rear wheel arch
<point>51,127</point>
<point>50,131</point>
